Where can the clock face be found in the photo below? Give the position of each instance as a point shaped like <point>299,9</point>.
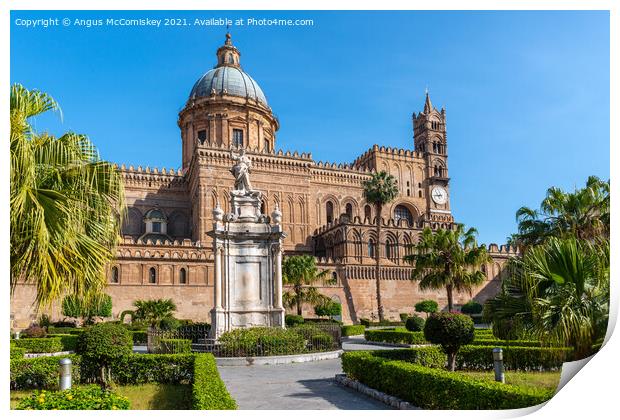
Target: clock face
<point>440,196</point>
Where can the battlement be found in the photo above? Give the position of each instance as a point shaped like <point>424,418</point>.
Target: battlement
<point>507,250</point>
<point>366,222</point>
<point>148,170</point>
<point>386,150</point>
<point>187,243</point>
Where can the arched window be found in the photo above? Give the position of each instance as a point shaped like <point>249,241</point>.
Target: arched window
<point>371,248</point>
<point>349,210</point>
<point>231,60</point>
<point>262,207</point>
<point>152,275</point>
<point>114,274</point>
<point>368,212</point>
<point>388,249</point>
<point>334,277</point>
<point>329,211</point>
<point>402,212</point>
<point>182,276</point>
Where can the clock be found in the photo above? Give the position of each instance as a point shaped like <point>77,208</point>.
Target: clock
<point>439,195</point>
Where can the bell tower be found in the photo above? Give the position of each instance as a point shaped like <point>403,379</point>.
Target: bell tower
<point>430,139</point>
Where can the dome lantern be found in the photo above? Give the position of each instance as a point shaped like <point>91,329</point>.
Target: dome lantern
<point>228,55</point>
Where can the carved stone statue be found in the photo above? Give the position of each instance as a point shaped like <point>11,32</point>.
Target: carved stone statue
<point>241,172</point>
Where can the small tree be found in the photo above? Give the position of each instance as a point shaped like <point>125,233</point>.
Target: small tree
<point>301,273</point>
<point>87,308</point>
<point>154,311</point>
<point>329,308</point>
<point>450,331</point>
<point>428,306</point>
<point>102,345</point>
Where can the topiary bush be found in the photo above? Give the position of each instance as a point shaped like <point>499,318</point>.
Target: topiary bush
<point>415,323</point>
<point>450,331</point>
<point>100,346</point>
<point>403,317</point>
<point>292,320</point>
<point>79,398</point>
<point>471,307</point>
<point>329,308</point>
<point>428,306</point>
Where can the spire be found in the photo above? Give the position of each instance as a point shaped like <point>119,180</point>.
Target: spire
<point>428,106</point>
<point>228,55</point>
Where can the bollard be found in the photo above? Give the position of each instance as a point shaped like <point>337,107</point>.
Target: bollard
<point>498,365</point>
<point>64,374</point>
<point>16,335</point>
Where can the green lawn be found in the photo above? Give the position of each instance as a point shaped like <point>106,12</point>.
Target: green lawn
<point>143,397</point>
<point>547,380</point>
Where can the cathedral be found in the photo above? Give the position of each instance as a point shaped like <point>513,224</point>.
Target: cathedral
<point>166,252</point>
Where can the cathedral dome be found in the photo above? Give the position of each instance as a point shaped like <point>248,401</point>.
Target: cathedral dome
<point>227,78</point>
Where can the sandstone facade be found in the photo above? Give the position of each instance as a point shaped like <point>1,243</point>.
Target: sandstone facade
<point>166,252</point>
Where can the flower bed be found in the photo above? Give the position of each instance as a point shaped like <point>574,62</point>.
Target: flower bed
<point>83,398</point>
<point>432,388</point>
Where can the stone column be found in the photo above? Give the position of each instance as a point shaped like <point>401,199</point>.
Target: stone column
<point>218,278</point>
<point>278,279</point>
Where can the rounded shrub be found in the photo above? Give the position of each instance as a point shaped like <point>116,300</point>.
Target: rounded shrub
<point>428,306</point>
<point>415,323</point>
<point>292,320</point>
<point>471,307</point>
<point>403,317</point>
<point>450,331</point>
<point>100,346</point>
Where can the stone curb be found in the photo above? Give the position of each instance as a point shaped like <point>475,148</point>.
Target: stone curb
<point>397,403</point>
<point>277,360</point>
<point>59,353</point>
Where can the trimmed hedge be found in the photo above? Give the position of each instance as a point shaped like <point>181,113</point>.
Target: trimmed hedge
<point>208,389</point>
<point>396,337</point>
<point>64,330</point>
<point>481,357</point>
<point>430,388</point>
<point>83,398</point>
<point>483,341</point>
<point>175,345</point>
<point>348,330</point>
<point>39,345</point>
<point>515,358</point>
<point>262,341</point>
<point>17,352</point>
<point>68,341</point>
<point>292,320</point>
<point>160,368</point>
<point>40,372</point>
<point>367,323</point>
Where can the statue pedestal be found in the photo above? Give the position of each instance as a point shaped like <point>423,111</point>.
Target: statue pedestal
<point>248,266</point>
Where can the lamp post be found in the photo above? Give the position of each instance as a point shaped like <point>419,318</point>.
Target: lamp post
<point>64,374</point>
<point>498,365</point>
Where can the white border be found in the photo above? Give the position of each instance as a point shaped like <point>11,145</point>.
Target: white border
<point>592,394</point>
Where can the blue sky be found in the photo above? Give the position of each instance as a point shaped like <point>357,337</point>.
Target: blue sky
<point>526,93</point>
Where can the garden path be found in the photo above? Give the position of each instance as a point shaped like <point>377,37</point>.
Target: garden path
<point>294,386</point>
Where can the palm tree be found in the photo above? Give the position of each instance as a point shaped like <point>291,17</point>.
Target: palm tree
<point>65,205</point>
<point>154,311</point>
<point>559,293</point>
<point>449,259</point>
<point>379,190</point>
<point>301,272</point>
<point>582,214</point>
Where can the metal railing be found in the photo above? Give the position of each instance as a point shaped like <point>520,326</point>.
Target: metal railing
<point>309,338</point>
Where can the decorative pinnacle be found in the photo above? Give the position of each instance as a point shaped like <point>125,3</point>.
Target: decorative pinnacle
<point>228,37</point>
